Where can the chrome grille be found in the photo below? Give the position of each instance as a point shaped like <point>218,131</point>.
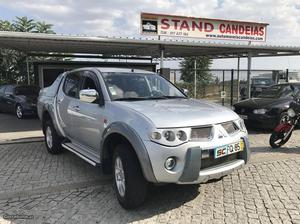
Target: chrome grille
<point>201,133</point>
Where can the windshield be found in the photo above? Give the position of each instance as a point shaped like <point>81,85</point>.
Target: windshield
<point>261,81</point>
<point>139,86</point>
<point>27,90</point>
<point>276,91</point>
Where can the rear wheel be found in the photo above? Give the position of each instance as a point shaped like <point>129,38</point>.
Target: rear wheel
<point>19,112</point>
<point>52,139</point>
<point>129,182</point>
<point>278,139</point>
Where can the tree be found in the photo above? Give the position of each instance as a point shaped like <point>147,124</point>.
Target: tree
<point>43,27</point>
<point>23,24</point>
<point>13,66</point>
<point>188,72</point>
<point>5,25</point>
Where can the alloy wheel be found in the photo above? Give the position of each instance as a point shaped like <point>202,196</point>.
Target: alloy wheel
<point>49,138</point>
<point>120,176</point>
<point>19,111</point>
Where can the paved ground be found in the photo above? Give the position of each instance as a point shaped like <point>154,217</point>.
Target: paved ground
<point>12,128</point>
<point>65,189</point>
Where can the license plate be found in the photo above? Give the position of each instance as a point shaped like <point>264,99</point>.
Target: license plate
<point>244,117</point>
<point>229,149</point>
<point>258,89</point>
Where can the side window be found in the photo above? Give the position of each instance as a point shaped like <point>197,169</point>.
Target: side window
<point>89,83</point>
<point>72,85</point>
<point>9,90</point>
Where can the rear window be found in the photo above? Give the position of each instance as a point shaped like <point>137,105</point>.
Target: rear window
<point>72,85</point>
<point>52,90</point>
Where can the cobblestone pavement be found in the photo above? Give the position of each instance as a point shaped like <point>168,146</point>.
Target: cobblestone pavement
<point>64,189</point>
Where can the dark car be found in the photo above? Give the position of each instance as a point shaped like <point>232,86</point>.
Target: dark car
<point>19,99</point>
<point>269,108</point>
<point>258,84</point>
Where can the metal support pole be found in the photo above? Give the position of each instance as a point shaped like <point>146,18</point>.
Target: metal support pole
<point>249,76</point>
<point>161,57</point>
<point>223,89</point>
<point>231,88</point>
<point>238,80</point>
<point>27,67</point>
<point>287,76</point>
<point>195,79</point>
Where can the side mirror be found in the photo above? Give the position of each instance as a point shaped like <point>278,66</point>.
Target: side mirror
<point>185,91</point>
<point>88,95</point>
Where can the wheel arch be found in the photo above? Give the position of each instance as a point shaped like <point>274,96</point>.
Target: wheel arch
<point>117,133</point>
<point>45,117</point>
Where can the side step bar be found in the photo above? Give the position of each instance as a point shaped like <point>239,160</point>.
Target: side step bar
<point>68,147</point>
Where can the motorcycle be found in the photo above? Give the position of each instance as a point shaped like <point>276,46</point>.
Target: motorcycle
<point>283,131</point>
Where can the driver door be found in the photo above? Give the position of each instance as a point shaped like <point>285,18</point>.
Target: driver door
<point>89,121</point>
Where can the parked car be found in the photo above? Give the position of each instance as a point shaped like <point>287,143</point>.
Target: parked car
<point>269,108</point>
<point>19,99</point>
<point>140,127</point>
<point>258,84</point>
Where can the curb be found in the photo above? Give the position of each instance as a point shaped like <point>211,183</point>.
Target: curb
<point>22,140</point>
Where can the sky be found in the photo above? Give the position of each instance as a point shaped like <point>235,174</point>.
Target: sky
<point>122,17</point>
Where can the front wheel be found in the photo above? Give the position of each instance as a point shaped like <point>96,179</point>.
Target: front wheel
<point>19,112</point>
<point>129,182</point>
<point>52,139</point>
<point>278,139</point>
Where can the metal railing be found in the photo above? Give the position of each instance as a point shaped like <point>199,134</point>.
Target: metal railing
<point>226,86</point>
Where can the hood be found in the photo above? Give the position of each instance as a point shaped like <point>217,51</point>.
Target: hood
<point>181,112</point>
<point>256,103</point>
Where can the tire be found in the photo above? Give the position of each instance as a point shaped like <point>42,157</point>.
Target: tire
<point>128,176</point>
<point>52,139</point>
<point>19,111</point>
<point>275,136</point>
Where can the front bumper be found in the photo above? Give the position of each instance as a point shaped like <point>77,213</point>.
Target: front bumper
<point>216,172</point>
<point>261,120</point>
<point>194,160</point>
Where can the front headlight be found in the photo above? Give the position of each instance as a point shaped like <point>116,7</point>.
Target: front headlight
<point>170,137</point>
<point>242,125</point>
<point>260,111</point>
<point>291,112</point>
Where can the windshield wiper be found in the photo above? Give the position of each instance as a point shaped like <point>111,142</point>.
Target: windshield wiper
<point>148,98</point>
<point>174,97</point>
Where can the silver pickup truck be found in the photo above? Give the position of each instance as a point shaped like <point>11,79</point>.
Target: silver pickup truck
<point>142,128</point>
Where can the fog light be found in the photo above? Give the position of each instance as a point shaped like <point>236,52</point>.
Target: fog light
<point>170,163</point>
